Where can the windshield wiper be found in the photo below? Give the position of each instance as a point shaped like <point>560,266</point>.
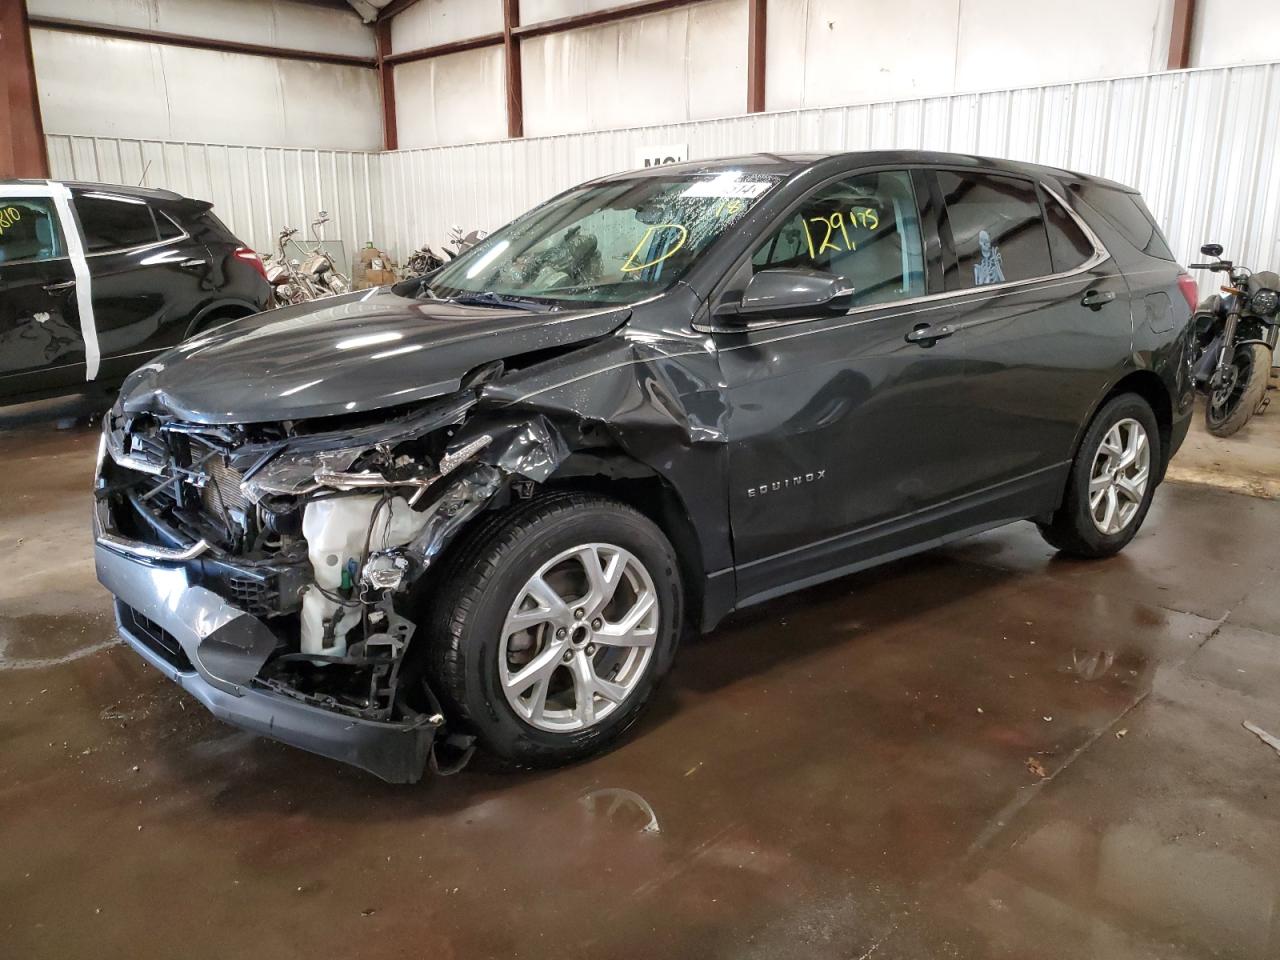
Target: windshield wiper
<point>490,299</point>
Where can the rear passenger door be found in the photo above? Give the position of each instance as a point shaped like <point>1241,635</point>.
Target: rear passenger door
<point>1045,319</point>
<point>148,276</point>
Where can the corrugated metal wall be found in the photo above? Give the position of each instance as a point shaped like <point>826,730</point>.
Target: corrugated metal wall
<point>1200,144</point>
<point>255,190</point>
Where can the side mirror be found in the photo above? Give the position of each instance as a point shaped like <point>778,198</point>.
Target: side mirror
<point>1212,249</point>
<point>792,291</point>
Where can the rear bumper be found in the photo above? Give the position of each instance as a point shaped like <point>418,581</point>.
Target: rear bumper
<point>214,651</point>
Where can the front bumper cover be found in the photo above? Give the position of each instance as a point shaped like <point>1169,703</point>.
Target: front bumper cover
<point>216,651</point>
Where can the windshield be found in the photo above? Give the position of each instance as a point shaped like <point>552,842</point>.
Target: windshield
<point>607,243</point>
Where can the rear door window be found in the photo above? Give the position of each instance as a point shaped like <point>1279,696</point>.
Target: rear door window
<point>114,223</point>
<point>996,229</point>
<point>865,229</point>
<point>29,230</point>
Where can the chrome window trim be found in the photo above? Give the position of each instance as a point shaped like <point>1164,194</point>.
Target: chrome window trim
<point>26,260</point>
<point>1100,256</point>
<point>137,249</point>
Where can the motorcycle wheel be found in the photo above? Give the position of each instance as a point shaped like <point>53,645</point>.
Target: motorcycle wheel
<point>1229,408</point>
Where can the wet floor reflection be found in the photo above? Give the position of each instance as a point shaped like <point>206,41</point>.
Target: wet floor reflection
<point>842,770</point>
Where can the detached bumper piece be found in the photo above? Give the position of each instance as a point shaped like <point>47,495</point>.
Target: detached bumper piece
<point>214,650</point>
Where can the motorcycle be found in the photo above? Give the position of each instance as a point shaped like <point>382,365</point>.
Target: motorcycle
<point>318,268</point>
<point>462,242</point>
<point>425,259</point>
<point>421,261</point>
<point>1235,334</point>
<point>287,284</point>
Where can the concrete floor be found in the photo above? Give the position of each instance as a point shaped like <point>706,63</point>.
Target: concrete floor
<point>982,752</point>
<point>1248,462</point>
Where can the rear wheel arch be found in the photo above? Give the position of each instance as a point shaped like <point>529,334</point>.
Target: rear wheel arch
<point>1113,471</point>
<point>1147,385</point>
<point>218,313</point>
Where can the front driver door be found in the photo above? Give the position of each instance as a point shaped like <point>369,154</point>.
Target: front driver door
<point>41,345</point>
<point>841,429</point>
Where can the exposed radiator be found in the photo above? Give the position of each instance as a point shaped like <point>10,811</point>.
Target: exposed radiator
<point>224,482</point>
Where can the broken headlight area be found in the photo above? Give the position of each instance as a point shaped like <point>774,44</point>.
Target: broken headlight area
<point>318,534</point>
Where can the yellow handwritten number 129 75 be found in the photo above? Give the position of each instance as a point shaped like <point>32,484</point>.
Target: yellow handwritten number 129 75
<point>831,240</point>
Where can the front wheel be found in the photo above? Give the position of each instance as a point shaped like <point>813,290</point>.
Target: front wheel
<point>1111,483</point>
<point>1232,405</point>
<point>561,617</point>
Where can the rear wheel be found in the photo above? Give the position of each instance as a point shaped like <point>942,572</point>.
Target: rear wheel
<point>1232,405</point>
<point>552,634</point>
<point>1112,481</point>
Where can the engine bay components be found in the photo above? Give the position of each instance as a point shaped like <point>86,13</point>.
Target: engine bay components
<point>341,533</point>
<point>316,538</point>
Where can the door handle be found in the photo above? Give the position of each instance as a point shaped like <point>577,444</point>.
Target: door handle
<point>924,335</point>
<point>1096,299</point>
<point>193,265</point>
<point>59,287</point>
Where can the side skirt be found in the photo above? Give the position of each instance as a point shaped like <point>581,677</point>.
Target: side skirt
<point>1020,499</point>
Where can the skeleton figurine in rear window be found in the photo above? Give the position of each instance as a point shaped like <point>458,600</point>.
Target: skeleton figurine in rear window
<point>990,269</point>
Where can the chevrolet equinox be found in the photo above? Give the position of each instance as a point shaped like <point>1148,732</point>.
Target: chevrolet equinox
<point>481,506</point>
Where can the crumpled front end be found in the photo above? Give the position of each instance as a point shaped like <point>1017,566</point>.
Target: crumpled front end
<point>269,569</point>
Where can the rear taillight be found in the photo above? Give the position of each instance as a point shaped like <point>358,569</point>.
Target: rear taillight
<point>250,257</point>
<point>1187,284</point>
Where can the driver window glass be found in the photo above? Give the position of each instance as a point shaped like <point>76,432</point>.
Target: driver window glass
<point>29,230</point>
<point>865,229</point>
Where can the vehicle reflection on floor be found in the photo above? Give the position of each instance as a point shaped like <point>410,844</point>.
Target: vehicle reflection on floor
<point>981,752</point>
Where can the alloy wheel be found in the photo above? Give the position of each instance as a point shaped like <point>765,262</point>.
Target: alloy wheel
<point>1119,478</point>
<point>578,638</point>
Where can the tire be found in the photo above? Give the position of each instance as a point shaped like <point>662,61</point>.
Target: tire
<point>1075,528</point>
<point>473,650</point>
<point>1252,361</point>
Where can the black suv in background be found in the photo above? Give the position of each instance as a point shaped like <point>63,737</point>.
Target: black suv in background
<point>96,278</point>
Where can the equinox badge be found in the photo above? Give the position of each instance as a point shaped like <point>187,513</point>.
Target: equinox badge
<point>799,480</point>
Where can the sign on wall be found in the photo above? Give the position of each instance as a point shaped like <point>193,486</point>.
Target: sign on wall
<point>661,155</point>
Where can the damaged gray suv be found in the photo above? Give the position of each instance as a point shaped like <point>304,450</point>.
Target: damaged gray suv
<point>480,507</point>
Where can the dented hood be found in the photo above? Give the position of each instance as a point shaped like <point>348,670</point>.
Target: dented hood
<point>361,351</point>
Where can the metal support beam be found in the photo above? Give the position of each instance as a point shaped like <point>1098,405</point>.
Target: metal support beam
<point>1184,19</point>
<point>387,86</point>
<point>757,29</point>
<point>443,49</point>
<point>199,43</point>
<point>596,17</point>
<point>22,147</point>
<point>516,32</point>
<point>511,53</point>
<point>394,7</point>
